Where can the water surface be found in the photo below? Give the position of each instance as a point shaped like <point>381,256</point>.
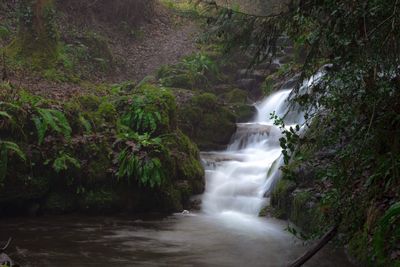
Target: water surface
<point>180,240</point>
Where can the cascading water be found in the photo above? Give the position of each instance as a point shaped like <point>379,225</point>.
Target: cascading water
<point>238,179</point>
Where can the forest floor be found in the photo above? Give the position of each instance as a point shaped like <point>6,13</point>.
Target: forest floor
<point>166,41</point>
<point>163,39</point>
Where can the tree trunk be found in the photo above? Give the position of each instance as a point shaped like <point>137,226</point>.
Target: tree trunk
<point>37,38</point>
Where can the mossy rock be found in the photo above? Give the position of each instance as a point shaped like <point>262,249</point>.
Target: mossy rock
<point>99,201</point>
<point>281,198</point>
<point>184,161</point>
<point>208,123</point>
<point>97,169</point>
<point>237,96</point>
<point>59,203</point>
<point>244,112</point>
<point>171,199</point>
<point>178,80</point>
<point>157,104</point>
<point>305,212</point>
<point>24,189</point>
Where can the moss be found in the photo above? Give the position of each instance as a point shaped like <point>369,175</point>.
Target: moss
<point>209,124</point>
<point>171,199</point>
<point>96,151</point>
<point>236,95</point>
<point>305,212</point>
<point>97,169</point>
<point>267,87</point>
<point>243,112</point>
<point>206,101</point>
<point>266,211</point>
<point>358,247</point>
<point>281,198</point>
<point>99,201</point>
<point>36,44</point>
<point>24,189</point>
<point>107,111</point>
<point>89,102</point>
<point>59,203</point>
<point>99,50</point>
<point>183,157</point>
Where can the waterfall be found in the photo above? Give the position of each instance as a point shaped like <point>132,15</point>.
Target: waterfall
<point>238,179</point>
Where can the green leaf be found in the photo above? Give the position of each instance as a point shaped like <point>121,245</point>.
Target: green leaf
<point>64,161</point>
<point>5,148</point>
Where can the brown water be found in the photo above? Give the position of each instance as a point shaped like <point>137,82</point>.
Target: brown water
<point>190,240</point>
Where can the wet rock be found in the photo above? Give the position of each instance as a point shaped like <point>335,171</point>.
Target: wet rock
<point>326,154</point>
<point>304,174</point>
<point>285,59</point>
<point>251,86</point>
<point>195,202</point>
<point>283,41</point>
<point>256,74</point>
<point>244,112</point>
<point>271,67</point>
<point>289,50</point>
<point>291,83</point>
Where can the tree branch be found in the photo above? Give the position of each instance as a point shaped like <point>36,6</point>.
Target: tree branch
<point>317,247</point>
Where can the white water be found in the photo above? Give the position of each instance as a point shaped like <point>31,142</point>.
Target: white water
<point>238,179</point>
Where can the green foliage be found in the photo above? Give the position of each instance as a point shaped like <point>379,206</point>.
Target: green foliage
<point>289,140</point>
<point>64,162</point>
<point>354,105</point>
<point>148,171</point>
<point>4,114</point>
<point>387,227</point>
<point>137,160</point>
<point>54,119</point>
<point>184,8</point>
<point>140,119</point>
<point>4,32</point>
<point>5,149</point>
<point>206,100</point>
<point>105,144</point>
<point>86,124</point>
<point>191,72</point>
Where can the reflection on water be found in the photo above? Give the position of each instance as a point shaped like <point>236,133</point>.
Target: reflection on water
<point>181,240</point>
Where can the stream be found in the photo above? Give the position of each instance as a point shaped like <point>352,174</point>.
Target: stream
<point>226,232</point>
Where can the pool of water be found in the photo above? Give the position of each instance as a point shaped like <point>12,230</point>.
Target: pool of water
<point>228,239</point>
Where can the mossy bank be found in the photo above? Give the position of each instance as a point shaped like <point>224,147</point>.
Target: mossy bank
<point>115,151</point>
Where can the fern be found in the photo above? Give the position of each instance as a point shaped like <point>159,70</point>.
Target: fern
<point>141,120</point>
<point>196,69</point>
<point>54,119</point>
<point>64,161</point>
<point>148,171</point>
<point>85,123</point>
<point>386,221</point>
<point>135,162</point>
<point>5,149</point>
<point>5,115</point>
